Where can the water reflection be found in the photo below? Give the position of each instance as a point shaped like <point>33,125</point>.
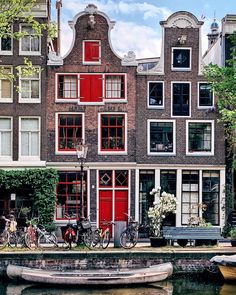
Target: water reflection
<point>180,286</point>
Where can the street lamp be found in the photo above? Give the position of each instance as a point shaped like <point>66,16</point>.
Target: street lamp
<point>81,152</point>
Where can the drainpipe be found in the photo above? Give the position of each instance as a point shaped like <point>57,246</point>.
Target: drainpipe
<point>58,7</point>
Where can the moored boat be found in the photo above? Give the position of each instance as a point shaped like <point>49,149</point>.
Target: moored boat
<point>146,275</point>
<point>227,266</point>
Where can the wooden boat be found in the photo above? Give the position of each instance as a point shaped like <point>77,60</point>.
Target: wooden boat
<point>227,266</point>
<point>150,274</point>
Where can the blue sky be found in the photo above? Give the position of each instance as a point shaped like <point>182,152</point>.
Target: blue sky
<point>137,22</point>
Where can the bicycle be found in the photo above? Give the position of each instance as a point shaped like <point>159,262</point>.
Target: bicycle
<point>71,232</point>
<point>102,237</point>
<point>4,233</point>
<point>129,237</point>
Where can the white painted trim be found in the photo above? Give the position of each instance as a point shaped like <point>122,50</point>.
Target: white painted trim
<point>33,53</point>
<point>198,96</point>
<point>190,60</point>
<point>178,196</point>
<point>137,180</point>
<point>212,138</point>
<point>73,153</point>
<point>149,153</point>
<point>190,98</point>
<point>116,152</point>
<point>30,158</point>
<point>162,106</point>
<point>222,201</point>
<point>8,158</point>
<point>83,53</point>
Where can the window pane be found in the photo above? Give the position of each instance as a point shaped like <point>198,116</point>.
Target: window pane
<point>35,43</point>
<point>155,93</point>
<point>161,137</point>
<point>34,144</point>
<point>5,124</point>
<point>181,58</point>
<point>25,43</point>
<point>35,89</point>
<point>6,89</point>
<point>200,137</point>
<point>181,98</point>
<point>6,44</point>
<point>25,89</point>
<point>24,144</point>
<point>205,95</point>
<point>29,124</point>
<point>5,143</point>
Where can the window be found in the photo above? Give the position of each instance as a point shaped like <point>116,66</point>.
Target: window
<point>5,137</point>
<point>6,86</point>
<point>30,43</point>
<point>155,94</point>
<point>112,132</point>
<point>161,137</point>
<point>92,52</point>
<point>6,46</point>
<point>190,197</point>
<point>200,138</point>
<point>69,131</point>
<point>30,87</point>
<point>115,86</point>
<point>69,194</point>
<point>211,196</point>
<point>29,137</point>
<point>91,88</point>
<point>181,99</point>
<point>181,59</point>
<point>205,95</point>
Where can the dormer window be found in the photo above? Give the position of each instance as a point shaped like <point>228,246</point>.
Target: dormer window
<point>181,59</point>
<point>91,52</point>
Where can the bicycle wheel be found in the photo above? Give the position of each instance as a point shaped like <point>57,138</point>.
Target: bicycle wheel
<point>96,239</point>
<point>106,239</point>
<point>4,239</point>
<point>128,240</point>
<point>47,239</point>
<point>13,239</point>
<point>31,241</point>
<point>87,238</point>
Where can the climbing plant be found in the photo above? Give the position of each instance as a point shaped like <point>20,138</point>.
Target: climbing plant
<point>43,183</point>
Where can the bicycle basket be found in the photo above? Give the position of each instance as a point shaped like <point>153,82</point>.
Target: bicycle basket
<point>86,224</point>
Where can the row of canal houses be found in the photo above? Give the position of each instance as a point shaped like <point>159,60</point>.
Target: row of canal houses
<point>146,122</point>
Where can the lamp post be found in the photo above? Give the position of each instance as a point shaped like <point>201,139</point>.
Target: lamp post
<point>81,152</point>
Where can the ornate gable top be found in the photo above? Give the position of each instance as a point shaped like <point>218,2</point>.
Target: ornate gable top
<point>182,19</point>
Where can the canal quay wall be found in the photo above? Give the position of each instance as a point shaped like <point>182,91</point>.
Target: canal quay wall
<point>185,260</point>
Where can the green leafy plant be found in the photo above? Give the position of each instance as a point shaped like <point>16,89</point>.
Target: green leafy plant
<point>233,233</point>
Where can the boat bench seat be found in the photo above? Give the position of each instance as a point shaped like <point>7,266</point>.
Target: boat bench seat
<point>183,235</point>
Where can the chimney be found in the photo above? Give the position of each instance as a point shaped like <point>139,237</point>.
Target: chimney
<point>58,7</point>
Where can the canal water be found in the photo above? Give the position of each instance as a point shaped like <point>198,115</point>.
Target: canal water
<point>180,286</point>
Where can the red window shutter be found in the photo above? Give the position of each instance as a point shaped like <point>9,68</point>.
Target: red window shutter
<point>91,51</point>
<point>90,88</point>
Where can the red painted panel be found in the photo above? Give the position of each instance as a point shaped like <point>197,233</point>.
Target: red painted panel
<point>90,88</point>
<point>121,205</point>
<point>105,207</point>
<point>91,53</point>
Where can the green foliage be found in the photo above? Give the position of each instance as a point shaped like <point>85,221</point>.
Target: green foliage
<point>233,233</point>
<point>43,182</point>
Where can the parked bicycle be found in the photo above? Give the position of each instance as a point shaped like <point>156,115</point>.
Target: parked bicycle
<point>129,237</point>
<point>100,237</point>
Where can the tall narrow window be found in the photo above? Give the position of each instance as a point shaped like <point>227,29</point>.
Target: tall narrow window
<point>6,45</point>
<point>6,86</point>
<point>205,95</point>
<point>92,52</point>
<point>69,131</point>
<point>30,87</point>
<point>115,86</point>
<point>30,43</point>
<point>200,137</point>
<point>5,137</point>
<point>67,86</point>
<point>30,137</point>
<point>155,94</point>
<point>181,99</point>
<point>112,132</point>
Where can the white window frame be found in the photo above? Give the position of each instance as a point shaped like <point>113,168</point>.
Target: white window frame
<point>57,152</point>
<point>92,62</point>
<point>198,96</point>
<point>30,158</point>
<point>30,100</point>
<point>2,99</point>
<point>190,59</point>
<point>149,153</point>
<point>116,152</point>
<point>212,152</point>
<point>23,52</point>
<point>162,106</point>
<point>7,158</point>
<point>6,52</point>
<point>190,98</point>
<point>77,100</point>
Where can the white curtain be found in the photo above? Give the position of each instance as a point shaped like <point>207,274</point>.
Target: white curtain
<point>113,87</point>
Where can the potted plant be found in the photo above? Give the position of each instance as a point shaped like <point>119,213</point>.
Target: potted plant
<point>233,236</point>
<point>163,205</point>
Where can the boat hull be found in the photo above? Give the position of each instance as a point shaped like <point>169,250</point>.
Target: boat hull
<point>228,272</point>
<point>96,277</point>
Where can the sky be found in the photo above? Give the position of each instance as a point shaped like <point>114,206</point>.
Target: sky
<point>137,25</point>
